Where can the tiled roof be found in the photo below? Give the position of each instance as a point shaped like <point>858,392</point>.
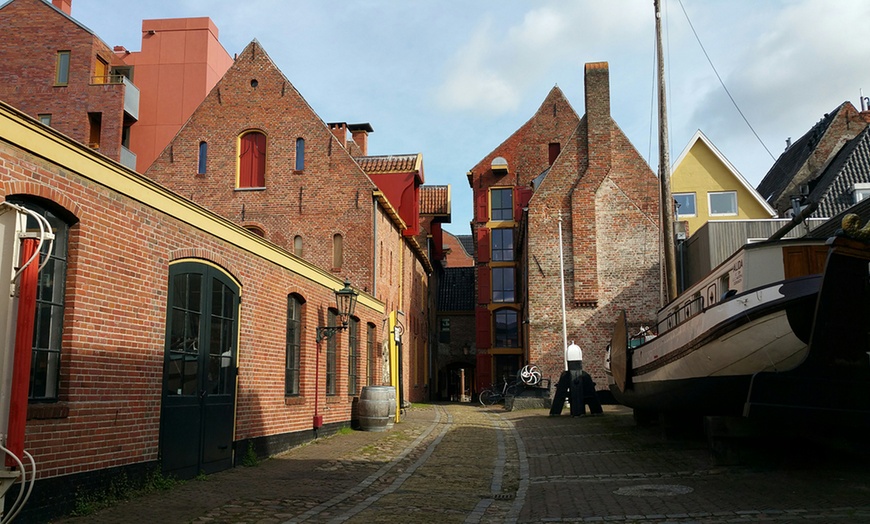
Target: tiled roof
<point>792,159</point>
<point>829,228</point>
<point>390,163</point>
<point>456,292</point>
<point>434,200</point>
<point>851,165</point>
<point>467,242</point>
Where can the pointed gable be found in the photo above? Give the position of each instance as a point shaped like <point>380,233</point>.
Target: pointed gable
<point>804,160</point>
<point>317,196</point>
<point>701,169</point>
<point>527,152</point>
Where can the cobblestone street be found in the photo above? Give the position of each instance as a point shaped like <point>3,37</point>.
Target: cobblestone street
<point>461,463</point>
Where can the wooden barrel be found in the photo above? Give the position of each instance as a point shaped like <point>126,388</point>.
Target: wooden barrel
<point>377,408</point>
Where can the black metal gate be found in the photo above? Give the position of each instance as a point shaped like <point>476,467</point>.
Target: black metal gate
<point>199,371</point>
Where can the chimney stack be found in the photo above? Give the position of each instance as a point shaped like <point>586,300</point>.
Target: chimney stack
<point>598,123</point>
<point>63,5</point>
<point>360,134</point>
<point>339,130</point>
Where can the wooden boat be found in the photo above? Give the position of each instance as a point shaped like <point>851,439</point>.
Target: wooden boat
<point>780,328</point>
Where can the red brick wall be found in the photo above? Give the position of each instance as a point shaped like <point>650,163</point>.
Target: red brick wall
<point>33,33</point>
<point>332,195</point>
<point>607,196</point>
<point>113,343</point>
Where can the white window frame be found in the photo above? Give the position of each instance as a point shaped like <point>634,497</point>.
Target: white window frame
<point>710,203</point>
<point>694,199</point>
<point>860,191</point>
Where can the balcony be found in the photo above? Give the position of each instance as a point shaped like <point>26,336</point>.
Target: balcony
<point>128,158</point>
<point>131,92</point>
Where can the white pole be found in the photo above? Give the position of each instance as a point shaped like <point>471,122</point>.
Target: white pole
<point>562,280</point>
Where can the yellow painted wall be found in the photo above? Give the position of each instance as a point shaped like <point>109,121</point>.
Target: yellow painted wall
<point>702,171</point>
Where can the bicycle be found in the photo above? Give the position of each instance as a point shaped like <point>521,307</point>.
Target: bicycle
<point>492,396</point>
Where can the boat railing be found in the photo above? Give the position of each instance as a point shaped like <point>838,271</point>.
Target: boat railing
<point>687,310</point>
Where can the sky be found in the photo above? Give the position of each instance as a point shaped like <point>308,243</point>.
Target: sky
<point>452,79</point>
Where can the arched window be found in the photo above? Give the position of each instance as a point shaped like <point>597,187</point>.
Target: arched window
<point>331,355</point>
<point>48,325</point>
<point>252,160</point>
<point>203,157</point>
<point>337,251</point>
<point>294,344</point>
<point>256,230</point>
<point>352,356</point>
<point>507,333</point>
<point>300,154</point>
<point>297,246</point>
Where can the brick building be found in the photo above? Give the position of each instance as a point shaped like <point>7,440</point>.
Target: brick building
<point>68,78</point>
<point>256,153</point>
<point>116,387</point>
<point>586,172</point>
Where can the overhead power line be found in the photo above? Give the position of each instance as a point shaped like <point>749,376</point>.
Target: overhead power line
<point>723,83</point>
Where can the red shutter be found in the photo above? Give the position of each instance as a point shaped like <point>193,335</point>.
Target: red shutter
<point>252,160</point>
<point>484,371</point>
<point>484,285</point>
<point>522,196</point>
<point>481,209</point>
<point>482,324</point>
<point>483,249</point>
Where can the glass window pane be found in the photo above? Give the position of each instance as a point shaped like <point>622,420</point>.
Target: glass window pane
<point>501,202</point>
<point>62,68</point>
<point>685,204</point>
<point>723,203</point>
<point>503,284</point>
<point>506,328</point>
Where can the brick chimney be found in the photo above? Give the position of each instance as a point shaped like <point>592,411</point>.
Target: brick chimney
<point>63,5</point>
<point>597,86</point>
<point>339,130</point>
<point>360,135</point>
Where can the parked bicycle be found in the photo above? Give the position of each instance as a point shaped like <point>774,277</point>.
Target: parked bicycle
<point>495,394</point>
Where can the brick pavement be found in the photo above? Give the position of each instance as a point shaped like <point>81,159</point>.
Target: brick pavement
<point>466,464</point>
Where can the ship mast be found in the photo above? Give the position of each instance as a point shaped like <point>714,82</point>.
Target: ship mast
<point>667,201</point>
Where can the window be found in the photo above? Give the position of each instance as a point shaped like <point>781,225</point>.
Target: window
<point>252,160</point>
<point>503,245</point>
<point>331,362</point>
<point>256,230</point>
<point>337,251</point>
<point>48,324</point>
<point>203,158</point>
<point>372,356</point>
<point>553,150</point>
<point>860,191</point>
<point>503,284</point>
<point>723,203</point>
<point>506,329</point>
<point>300,154</point>
<point>297,246</point>
<point>45,119</point>
<point>101,73</point>
<point>444,332</point>
<point>294,344</point>
<point>685,204</point>
<point>61,75</point>
<point>352,355</point>
<point>502,204</point>
<point>95,129</point>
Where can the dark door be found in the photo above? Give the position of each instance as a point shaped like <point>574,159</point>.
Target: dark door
<point>199,371</point>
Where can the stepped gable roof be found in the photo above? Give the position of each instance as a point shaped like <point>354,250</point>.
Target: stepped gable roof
<point>456,292</point>
<point>833,188</point>
<point>435,200</point>
<point>390,163</point>
<point>792,159</point>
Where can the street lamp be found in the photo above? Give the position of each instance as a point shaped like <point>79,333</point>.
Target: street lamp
<point>345,302</point>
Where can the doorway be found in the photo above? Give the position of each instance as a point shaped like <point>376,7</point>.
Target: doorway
<point>199,371</point>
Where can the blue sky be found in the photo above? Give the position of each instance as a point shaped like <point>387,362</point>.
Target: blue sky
<point>451,79</point>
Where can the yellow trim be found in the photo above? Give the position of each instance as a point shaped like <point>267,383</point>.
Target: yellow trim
<point>22,131</point>
<point>394,360</point>
<point>391,211</point>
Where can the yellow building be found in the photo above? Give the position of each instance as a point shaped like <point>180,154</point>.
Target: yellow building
<point>706,186</point>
